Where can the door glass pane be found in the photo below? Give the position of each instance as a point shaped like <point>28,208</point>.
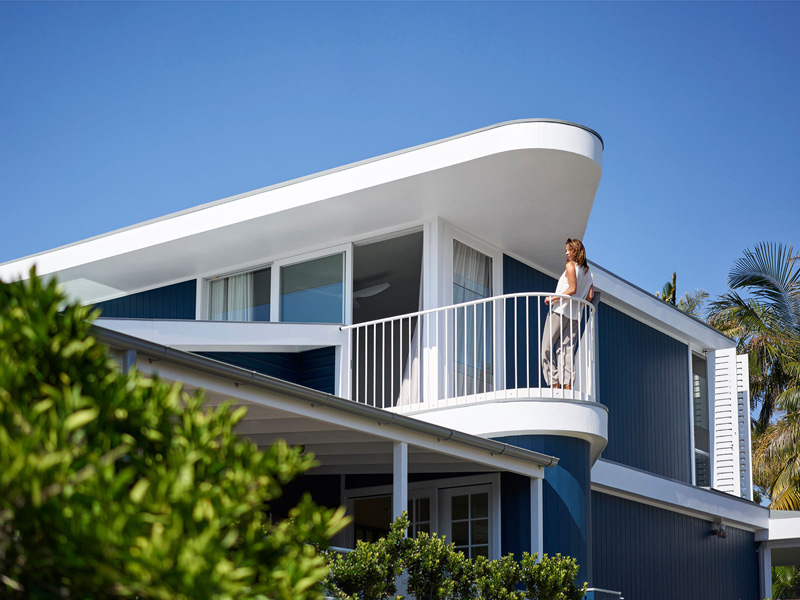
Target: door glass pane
<point>460,507</point>
<point>479,505</point>
<point>371,517</point>
<point>473,361</point>
<point>313,291</point>
<point>424,512</point>
<point>480,532</point>
<point>460,533</point>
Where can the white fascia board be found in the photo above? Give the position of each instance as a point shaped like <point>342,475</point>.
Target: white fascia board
<point>230,336</point>
<point>783,528</point>
<point>332,416</point>
<point>656,313</point>
<point>618,480</point>
<point>517,135</point>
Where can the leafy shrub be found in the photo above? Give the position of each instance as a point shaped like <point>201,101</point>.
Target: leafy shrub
<point>113,485</point>
<point>498,579</point>
<point>437,571</point>
<point>370,570</point>
<point>552,578</point>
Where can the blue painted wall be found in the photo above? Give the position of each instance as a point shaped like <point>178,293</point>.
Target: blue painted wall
<point>315,369</point>
<point>177,301</point>
<point>644,382</point>
<point>566,496</point>
<point>524,322</point>
<point>652,554</point>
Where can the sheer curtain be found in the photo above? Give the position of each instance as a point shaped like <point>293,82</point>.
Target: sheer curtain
<point>232,298</point>
<point>240,297</point>
<point>472,280</point>
<point>410,386</point>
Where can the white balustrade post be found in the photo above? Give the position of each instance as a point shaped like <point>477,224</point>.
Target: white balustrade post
<point>400,479</point>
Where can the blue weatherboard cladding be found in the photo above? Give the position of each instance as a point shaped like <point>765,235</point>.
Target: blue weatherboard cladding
<point>177,301</point>
<point>566,496</point>
<point>315,369</point>
<point>644,382</point>
<point>519,278</point>
<point>648,553</point>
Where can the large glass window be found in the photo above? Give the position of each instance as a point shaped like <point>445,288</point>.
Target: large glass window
<point>242,297</point>
<point>313,291</point>
<point>472,280</point>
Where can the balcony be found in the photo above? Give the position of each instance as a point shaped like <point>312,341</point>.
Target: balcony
<point>486,351</point>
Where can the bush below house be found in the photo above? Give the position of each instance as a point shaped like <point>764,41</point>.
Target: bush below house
<point>437,571</point>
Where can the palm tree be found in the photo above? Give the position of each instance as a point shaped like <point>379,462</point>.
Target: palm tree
<point>766,325</point>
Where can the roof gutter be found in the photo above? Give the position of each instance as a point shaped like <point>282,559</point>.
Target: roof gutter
<point>243,376</point>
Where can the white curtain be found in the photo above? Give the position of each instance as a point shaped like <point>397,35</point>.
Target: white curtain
<point>240,297</point>
<point>232,298</point>
<point>410,392</point>
<point>217,309</point>
<point>472,280</point>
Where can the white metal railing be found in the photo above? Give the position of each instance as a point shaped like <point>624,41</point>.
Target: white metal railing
<point>484,350</point>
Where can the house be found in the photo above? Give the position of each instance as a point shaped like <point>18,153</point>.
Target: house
<point>387,316</point>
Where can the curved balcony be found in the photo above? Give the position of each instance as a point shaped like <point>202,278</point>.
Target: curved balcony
<point>487,350</point>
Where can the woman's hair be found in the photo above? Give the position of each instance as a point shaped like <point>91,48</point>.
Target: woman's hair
<point>578,252</point>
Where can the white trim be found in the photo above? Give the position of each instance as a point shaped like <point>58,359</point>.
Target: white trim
<point>692,448</point>
<point>399,479</point>
<point>765,570</point>
<point>625,482</point>
<point>537,516</point>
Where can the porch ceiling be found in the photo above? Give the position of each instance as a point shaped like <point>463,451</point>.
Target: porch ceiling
<point>524,186</point>
<point>339,449</point>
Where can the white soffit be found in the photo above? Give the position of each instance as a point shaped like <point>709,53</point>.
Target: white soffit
<point>523,185</point>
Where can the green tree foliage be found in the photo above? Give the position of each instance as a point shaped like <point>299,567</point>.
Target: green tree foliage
<point>370,570</point>
<point>117,486</point>
<point>551,578</point>
<point>436,570</point>
<point>669,292</point>
<point>761,311</point>
<point>498,579</point>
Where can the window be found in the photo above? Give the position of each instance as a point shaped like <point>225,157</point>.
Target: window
<point>472,280</point>
<point>242,297</point>
<point>419,513</point>
<point>468,519</point>
<point>313,291</point>
<point>303,289</point>
<point>702,458</point>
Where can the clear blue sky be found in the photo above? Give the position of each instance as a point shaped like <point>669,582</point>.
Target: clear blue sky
<point>114,113</point>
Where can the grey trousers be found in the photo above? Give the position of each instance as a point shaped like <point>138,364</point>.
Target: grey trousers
<point>561,332</point>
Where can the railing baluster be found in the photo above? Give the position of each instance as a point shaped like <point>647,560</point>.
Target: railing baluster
<point>435,369</point>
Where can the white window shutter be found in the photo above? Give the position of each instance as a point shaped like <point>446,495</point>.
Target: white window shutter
<point>726,423</point>
<point>743,403</point>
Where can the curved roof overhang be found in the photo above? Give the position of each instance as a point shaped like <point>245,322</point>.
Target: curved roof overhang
<point>524,185</point>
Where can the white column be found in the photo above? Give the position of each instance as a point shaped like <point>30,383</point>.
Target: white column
<point>537,516</point>
<point>765,570</point>
<point>343,358</point>
<point>400,484</point>
<point>128,360</point>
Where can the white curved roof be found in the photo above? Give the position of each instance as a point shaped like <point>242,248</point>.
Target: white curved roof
<point>524,185</point>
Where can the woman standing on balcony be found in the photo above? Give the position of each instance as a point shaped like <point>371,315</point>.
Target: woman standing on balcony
<point>562,327</point>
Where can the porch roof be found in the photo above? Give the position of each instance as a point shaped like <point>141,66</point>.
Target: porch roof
<point>347,438</point>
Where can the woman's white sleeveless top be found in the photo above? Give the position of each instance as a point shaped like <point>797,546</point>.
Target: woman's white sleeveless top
<point>583,281</point>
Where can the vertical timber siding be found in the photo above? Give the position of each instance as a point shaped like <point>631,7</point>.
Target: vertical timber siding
<point>644,382</point>
<point>314,369</point>
<point>519,278</point>
<point>566,497</point>
<point>177,301</point>
<point>648,553</point>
